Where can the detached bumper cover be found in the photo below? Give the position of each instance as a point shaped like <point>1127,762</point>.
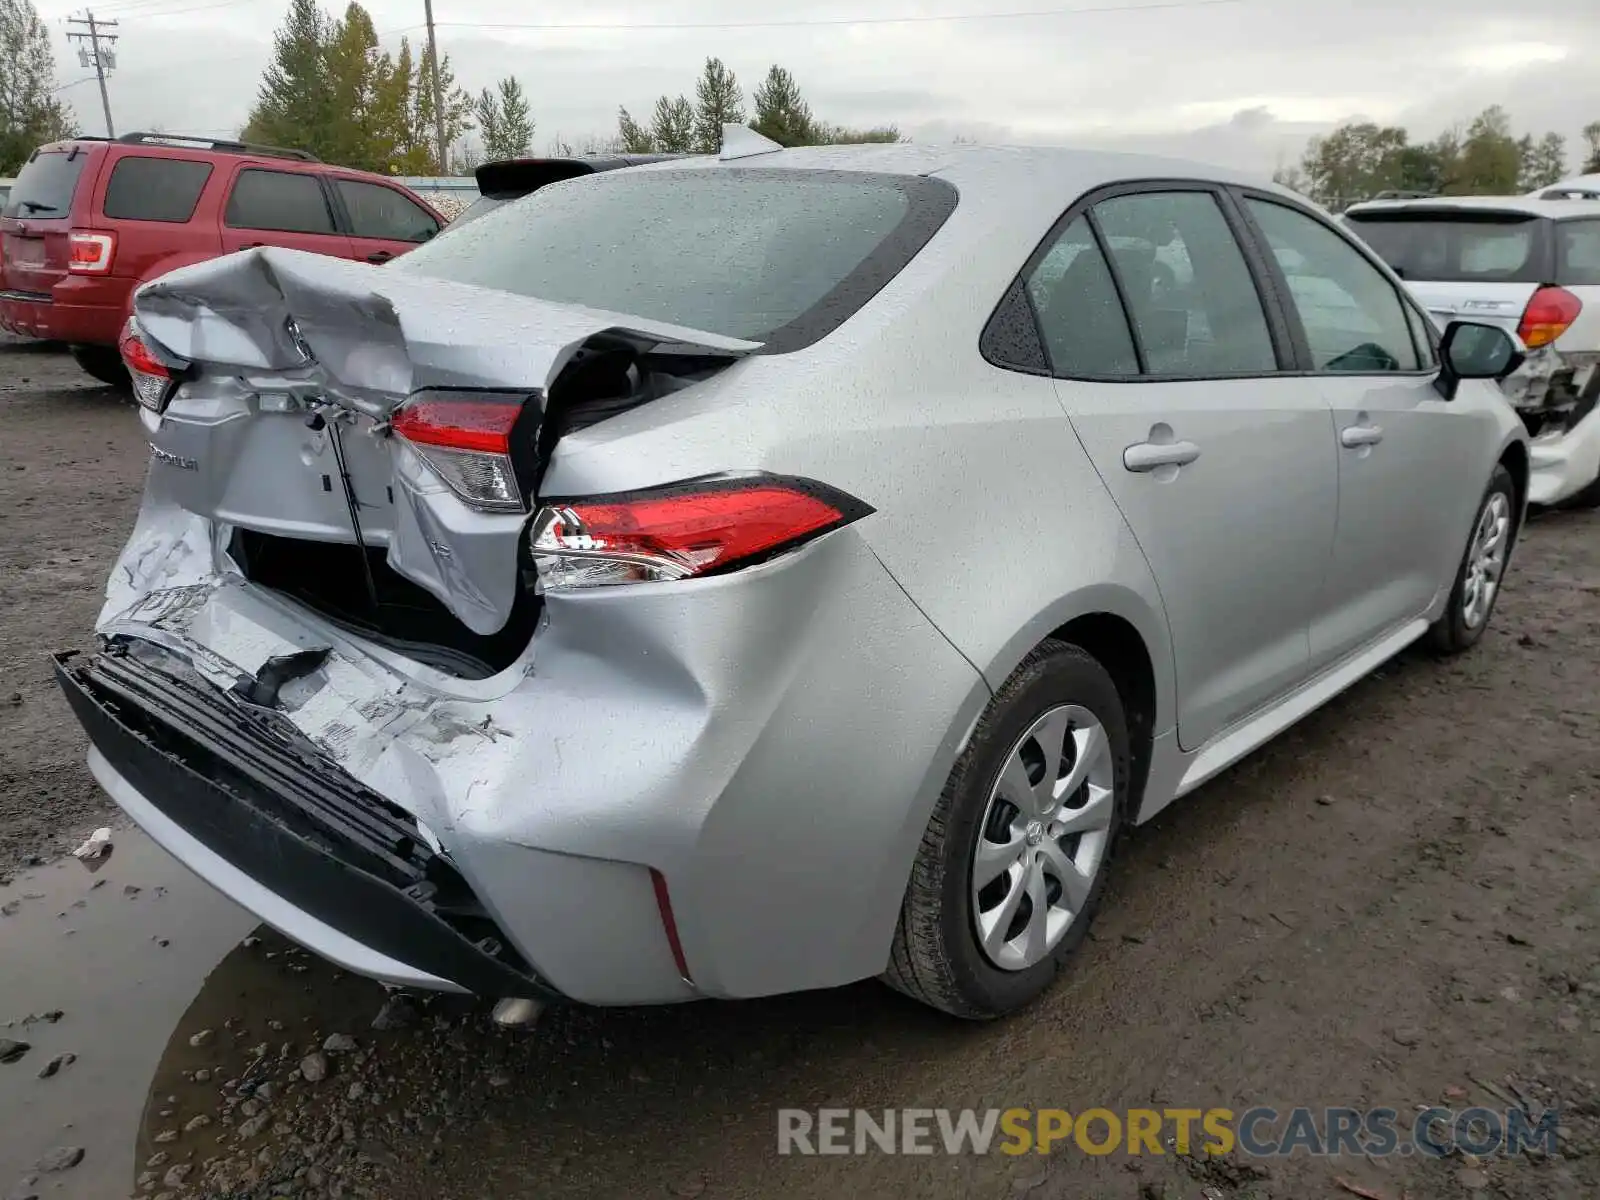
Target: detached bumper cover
<point>1565,460</point>
<point>271,806</point>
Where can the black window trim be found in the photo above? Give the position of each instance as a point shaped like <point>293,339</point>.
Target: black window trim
<point>1280,284</point>
<point>347,223</point>
<point>318,177</point>
<point>1279,328</point>
<point>103,185</point>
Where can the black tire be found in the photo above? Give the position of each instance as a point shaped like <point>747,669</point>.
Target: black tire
<point>104,364</point>
<point>936,957</point>
<point>1451,634</point>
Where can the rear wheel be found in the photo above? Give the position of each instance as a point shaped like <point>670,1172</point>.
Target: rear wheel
<point>1014,859</point>
<point>1478,579</point>
<point>105,364</point>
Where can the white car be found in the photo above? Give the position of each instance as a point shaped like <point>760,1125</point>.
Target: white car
<point>1532,266</point>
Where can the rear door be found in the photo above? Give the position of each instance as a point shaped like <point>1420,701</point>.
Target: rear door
<point>382,221</point>
<point>149,201</point>
<point>278,206</point>
<point>1178,379</point>
<point>1409,469</point>
<point>37,216</point>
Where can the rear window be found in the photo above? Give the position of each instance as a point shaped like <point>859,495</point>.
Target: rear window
<point>483,204</point>
<point>155,189</point>
<point>1458,248</point>
<point>45,186</point>
<point>1578,253</point>
<point>771,255</point>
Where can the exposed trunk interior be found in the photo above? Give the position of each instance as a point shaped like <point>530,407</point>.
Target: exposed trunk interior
<point>327,578</point>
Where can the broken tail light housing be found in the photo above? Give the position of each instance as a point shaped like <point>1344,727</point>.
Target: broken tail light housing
<point>692,529</point>
<point>90,253</point>
<point>472,441</point>
<point>1550,312</point>
<point>155,373</point>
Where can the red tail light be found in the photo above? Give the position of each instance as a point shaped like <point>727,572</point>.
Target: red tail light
<point>1551,310</point>
<point>90,253</point>
<point>467,438</point>
<point>153,380</point>
<point>690,529</point>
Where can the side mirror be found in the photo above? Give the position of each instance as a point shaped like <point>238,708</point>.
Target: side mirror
<point>1473,350</point>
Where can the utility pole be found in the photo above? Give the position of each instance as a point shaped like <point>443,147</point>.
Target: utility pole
<point>100,58</point>
<point>438,90</point>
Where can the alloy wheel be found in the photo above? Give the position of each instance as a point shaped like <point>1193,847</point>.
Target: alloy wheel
<point>1486,559</point>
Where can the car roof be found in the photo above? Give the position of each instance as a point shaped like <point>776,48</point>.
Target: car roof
<point>1529,206</point>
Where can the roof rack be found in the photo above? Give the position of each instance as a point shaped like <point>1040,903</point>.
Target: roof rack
<point>220,144</point>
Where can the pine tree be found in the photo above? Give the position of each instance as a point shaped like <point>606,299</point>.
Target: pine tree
<point>391,117</point>
<point>457,110</point>
<point>295,102</point>
<point>353,69</point>
<point>505,123</point>
<point>30,113</point>
<point>633,137</point>
<point>781,113</point>
<point>718,102</point>
<point>672,127</point>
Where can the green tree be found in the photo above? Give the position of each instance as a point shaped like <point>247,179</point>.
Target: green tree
<point>633,137</point>
<point>1543,162</point>
<point>1354,162</point>
<point>672,126</point>
<point>781,113</point>
<point>840,135</point>
<point>391,117</point>
<point>1490,159</point>
<point>457,110</point>
<point>351,55</point>
<point>295,101</point>
<point>505,123</point>
<point>1591,139</point>
<point>30,112</point>
<point>718,102</point>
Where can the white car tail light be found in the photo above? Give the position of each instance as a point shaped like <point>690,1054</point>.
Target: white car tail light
<point>467,438</point>
<point>155,377</point>
<point>697,528</point>
<point>90,253</point>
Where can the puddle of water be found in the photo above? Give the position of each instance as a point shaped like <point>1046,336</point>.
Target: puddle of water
<point>84,944</point>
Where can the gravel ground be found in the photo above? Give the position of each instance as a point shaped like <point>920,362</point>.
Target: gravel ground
<point>1393,905</point>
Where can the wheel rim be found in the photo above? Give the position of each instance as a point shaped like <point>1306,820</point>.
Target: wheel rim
<point>1043,837</point>
<point>1486,560</point>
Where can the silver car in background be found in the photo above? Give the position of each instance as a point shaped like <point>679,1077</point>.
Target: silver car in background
<point>736,576</point>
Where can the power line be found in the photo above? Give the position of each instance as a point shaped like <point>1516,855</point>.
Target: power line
<point>101,58</point>
<point>822,22</point>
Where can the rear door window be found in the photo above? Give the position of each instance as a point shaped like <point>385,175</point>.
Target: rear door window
<point>155,189</point>
<point>1459,247</point>
<point>44,188</point>
<point>1085,330</point>
<point>283,201</point>
<point>1578,253</point>
<point>381,212</point>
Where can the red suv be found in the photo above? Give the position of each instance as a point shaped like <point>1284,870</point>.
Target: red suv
<point>90,219</point>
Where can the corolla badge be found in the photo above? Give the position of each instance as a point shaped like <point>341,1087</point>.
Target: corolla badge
<point>173,460</point>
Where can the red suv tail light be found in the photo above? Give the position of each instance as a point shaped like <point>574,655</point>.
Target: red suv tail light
<point>90,253</point>
<point>1551,310</point>
<point>468,439</point>
<point>691,529</point>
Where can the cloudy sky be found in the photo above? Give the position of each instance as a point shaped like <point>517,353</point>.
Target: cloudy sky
<point>1241,82</point>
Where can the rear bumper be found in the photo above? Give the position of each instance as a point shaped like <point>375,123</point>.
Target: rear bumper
<point>1563,464</point>
<point>285,832</point>
<point>82,315</point>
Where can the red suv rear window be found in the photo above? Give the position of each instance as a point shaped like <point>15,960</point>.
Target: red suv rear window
<point>45,187</point>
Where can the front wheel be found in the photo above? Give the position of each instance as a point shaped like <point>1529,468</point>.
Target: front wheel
<point>1483,566</point>
<point>1014,859</point>
<point>105,364</point>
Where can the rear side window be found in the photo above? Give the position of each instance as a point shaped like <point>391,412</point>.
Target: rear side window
<point>45,186</point>
<point>1085,331</point>
<point>769,254</point>
<point>283,201</point>
<point>1461,247</point>
<point>380,212</point>
<point>155,189</point>
<point>1578,253</point>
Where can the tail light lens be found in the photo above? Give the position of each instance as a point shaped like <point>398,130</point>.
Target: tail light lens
<point>690,529</point>
<point>1551,310</point>
<point>469,439</point>
<point>90,253</point>
<point>155,376</point>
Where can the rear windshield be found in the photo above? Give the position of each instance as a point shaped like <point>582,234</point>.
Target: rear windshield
<point>45,186</point>
<point>1465,248</point>
<point>770,255</point>
<point>483,204</point>
<point>1578,253</point>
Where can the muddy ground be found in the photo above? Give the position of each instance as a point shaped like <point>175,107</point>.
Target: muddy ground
<point>1394,905</point>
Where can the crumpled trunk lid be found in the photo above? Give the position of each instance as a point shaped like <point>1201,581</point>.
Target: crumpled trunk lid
<point>298,363</point>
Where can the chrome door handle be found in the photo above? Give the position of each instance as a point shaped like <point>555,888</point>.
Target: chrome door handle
<point>1352,436</point>
<point>1147,456</point>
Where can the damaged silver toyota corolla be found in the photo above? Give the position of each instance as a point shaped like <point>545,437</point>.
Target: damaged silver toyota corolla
<point>738,576</point>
